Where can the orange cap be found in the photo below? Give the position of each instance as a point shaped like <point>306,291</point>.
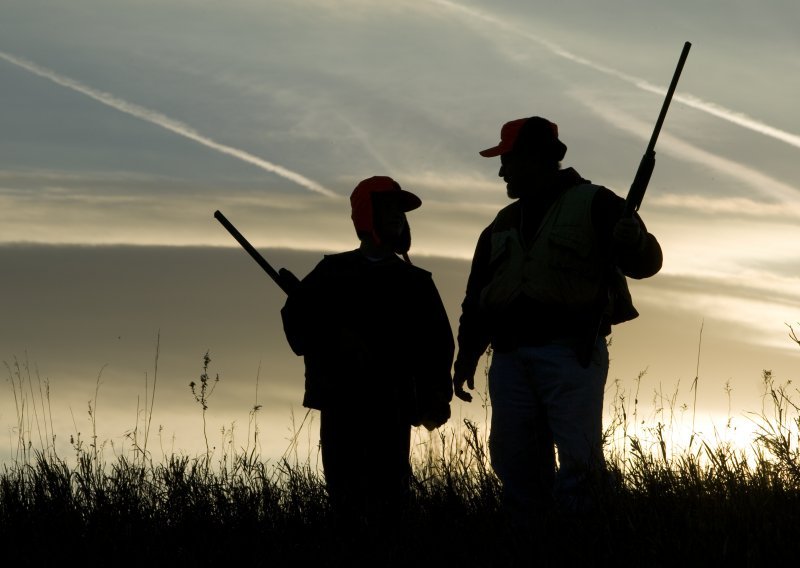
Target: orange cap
<point>535,133</point>
<point>361,201</point>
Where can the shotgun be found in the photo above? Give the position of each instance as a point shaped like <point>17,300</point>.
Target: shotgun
<point>636,193</point>
<point>632,203</point>
<point>283,277</point>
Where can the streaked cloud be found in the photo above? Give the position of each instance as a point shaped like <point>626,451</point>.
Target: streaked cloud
<point>165,122</point>
<point>734,117</point>
<point>731,207</point>
<point>335,92</point>
<point>62,213</point>
<point>758,181</point>
<point>82,311</point>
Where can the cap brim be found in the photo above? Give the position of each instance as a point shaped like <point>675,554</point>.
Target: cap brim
<point>491,152</point>
<point>405,200</point>
<point>408,200</point>
<point>503,147</point>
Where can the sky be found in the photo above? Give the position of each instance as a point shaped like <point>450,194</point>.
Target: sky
<point>124,125</point>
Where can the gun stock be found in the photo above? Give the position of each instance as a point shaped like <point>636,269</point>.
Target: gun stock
<point>636,193</point>
<point>283,277</point>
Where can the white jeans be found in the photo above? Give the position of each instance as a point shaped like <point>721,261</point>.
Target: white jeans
<point>541,396</point>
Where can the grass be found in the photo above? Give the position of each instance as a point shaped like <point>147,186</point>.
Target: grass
<point>701,505</point>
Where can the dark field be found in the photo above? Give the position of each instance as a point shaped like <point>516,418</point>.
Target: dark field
<point>707,505</point>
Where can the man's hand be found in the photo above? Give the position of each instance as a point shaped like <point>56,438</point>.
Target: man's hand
<point>458,385</point>
<point>628,233</point>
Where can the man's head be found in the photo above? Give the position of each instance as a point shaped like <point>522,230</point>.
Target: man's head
<point>529,149</point>
<point>534,136</point>
<point>378,212</point>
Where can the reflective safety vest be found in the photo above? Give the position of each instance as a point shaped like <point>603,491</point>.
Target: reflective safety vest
<point>562,266</point>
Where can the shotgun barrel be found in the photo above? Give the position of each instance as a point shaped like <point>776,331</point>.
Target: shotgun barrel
<point>636,193</point>
<point>283,277</point>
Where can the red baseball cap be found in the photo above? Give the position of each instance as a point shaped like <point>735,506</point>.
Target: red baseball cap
<point>535,133</point>
<point>361,200</point>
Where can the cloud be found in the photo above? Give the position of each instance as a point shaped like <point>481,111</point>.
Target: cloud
<point>454,182</point>
<point>760,182</point>
<point>697,103</point>
<point>734,117</point>
<point>742,314</point>
<point>79,310</point>
<point>167,123</point>
<point>364,140</point>
<point>729,206</point>
<point>68,213</point>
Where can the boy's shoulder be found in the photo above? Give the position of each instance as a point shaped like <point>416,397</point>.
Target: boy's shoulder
<point>347,257</point>
<point>355,260</point>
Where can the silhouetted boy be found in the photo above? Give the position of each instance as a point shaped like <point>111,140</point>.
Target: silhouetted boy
<point>378,350</point>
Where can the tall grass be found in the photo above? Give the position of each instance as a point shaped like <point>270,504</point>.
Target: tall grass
<point>703,504</point>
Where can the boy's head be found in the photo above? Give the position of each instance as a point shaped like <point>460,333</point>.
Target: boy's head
<point>378,212</point>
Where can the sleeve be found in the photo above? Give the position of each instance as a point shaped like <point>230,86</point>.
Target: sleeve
<point>302,310</point>
<point>473,328</point>
<point>642,262</point>
<point>437,346</point>
<point>292,328</point>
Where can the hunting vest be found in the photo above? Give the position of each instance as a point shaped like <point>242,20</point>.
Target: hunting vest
<point>561,267</point>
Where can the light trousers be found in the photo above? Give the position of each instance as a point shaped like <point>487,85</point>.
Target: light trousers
<point>542,400</point>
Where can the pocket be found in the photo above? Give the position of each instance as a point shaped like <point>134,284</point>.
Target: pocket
<point>506,267</point>
<point>570,246</point>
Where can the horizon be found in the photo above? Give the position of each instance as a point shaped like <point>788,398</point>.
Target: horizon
<point>151,313</point>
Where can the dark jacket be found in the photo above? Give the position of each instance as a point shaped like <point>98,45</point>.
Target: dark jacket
<point>528,322</point>
<point>373,333</point>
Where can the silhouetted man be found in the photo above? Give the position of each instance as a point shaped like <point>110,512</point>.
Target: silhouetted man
<point>546,284</point>
<point>378,352</point>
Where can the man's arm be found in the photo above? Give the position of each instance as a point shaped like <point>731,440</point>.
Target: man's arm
<point>473,328</point>
<point>637,252</point>
<point>637,256</point>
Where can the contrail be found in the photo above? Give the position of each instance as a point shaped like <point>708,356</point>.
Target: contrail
<point>165,122</point>
<point>760,182</point>
<point>362,137</point>
<point>688,100</point>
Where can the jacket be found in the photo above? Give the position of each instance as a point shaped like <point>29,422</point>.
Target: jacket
<point>531,319</point>
<point>372,334</point>
<point>560,265</point>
